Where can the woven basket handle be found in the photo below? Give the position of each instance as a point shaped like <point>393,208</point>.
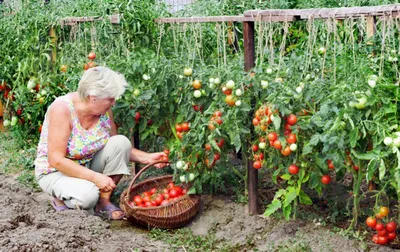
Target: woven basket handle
<point>140,173</point>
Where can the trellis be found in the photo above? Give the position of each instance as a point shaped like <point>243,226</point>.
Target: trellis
<point>249,18</point>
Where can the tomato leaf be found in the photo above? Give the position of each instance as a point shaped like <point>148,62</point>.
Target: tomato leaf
<point>192,190</point>
<point>371,168</point>
<point>304,198</point>
<point>287,210</point>
<point>353,137</point>
<point>277,122</point>
<point>286,176</point>
<point>273,207</point>
<point>289,196</point>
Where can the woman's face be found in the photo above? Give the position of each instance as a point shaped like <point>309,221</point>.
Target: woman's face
<point>102,105</point>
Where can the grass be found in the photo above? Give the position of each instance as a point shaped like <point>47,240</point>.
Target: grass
<point>184,239</point>
<point>18,161</point>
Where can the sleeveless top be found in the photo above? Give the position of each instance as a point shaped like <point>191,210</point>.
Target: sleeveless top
<point>82,144</point>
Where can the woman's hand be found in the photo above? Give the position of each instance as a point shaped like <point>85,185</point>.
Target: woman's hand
<point>104,182</point>
<point>157,156</point>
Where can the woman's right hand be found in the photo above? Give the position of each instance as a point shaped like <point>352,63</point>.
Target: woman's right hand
<point>104,182</point>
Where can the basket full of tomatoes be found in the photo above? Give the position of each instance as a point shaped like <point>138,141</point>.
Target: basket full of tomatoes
<point>158,202</point>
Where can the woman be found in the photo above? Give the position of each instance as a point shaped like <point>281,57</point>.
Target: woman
<point>80,157</point>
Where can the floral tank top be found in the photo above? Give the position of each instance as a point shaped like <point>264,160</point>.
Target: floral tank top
<point>82,144</point>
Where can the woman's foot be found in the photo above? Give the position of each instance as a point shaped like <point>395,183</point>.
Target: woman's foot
<point>58,205</point>
<point>105,208</point>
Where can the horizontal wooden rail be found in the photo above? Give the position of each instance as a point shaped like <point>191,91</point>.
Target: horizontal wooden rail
<point>343,12</point>
<point>224,19</point>
<point>114,19</point>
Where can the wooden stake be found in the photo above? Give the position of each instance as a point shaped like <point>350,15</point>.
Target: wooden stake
<point>53,37</point>
<point>249,63</point>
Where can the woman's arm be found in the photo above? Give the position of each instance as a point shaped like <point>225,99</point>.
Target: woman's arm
<point>114,127</point>
<point>59,129</point>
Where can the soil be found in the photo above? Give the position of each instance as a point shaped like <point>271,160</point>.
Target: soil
<point>29,223</point>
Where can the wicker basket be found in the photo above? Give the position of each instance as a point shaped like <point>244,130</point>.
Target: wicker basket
<point>173,215</point>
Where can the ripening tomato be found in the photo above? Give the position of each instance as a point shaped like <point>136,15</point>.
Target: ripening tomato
<point>137,117</point>
<point>391,226</point>
<point>170,185</point>
<point>178,127</point>
<point>257,165</point>
<point>91,64</point>
<point>211,126</point>
<point>185,126</point>
<point>92,56</point>
<point>196,84</point>
<point>384,211</point>
<point>272,136</point>
<point>166,151</point>
<point>255,147</point>
<point>293,169</point>
<point>207,147</point>
<point>291,138</point>
<point>164,159</point>
<point>371,222</point>
<point>217,113</point>
<point>277,145</point>
<point>255,121</point>
<point>218,120</point>
<point>63,68</point>
<point>326,179</point>
<point>286,151</point>
<point>179,135</point>
<point>292,119</point>
<point>331,166</point>
<point>230,100</point>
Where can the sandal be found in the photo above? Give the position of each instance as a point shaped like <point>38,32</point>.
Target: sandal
<point>106,212</point>
<point>57,207</point>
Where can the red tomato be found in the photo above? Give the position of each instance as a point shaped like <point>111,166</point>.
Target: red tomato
<point>382,240</point>
<point>382,232</point>
<point>166,195</point>
<point>146,199</point>
<point>326,179</point>
<point>153,191</point>
<point>391,226</point>
<point>391,236</point>
<point>291,139</point>
<point>257,165</point>
<point>137,117</point>
<point>138,200</point>
<point>173,193</point>
<point>207,147</point>
<point>185,126</point>
<point>166,151</point>
<point>255,121</point>
<point>19,111</point>
<point>221,143</point>
<point>331,166</point>
<point>170,185</point>
<point>293,169</point>
<point>148,204</point>
<point>178,127</point>
<point>379,227</point>
<point>356,167</point>
<point>92,56</point>
<point>164,159</point>
<point>158,200</point>
<point>255,148</point>
<point>288,126</point>
<point>184,191</point>
<point>375,238</point>
<point>371,222</point>
<point>277,145</point>
<point>216,156</point>
<point>227,91</point>
<point>272,136</point>
<point>292,119</point>
<point>218,120</point>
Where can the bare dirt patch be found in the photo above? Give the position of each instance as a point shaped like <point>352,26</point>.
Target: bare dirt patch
<point>29,223</point>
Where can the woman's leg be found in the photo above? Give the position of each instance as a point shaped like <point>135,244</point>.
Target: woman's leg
<point>112,160</point>
<point>72,191</point>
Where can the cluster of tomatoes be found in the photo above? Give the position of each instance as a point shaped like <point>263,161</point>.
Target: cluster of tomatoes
<point>215,120</point>
<point>385,233</point>
<point>91,63</point>
<point>158,196</point>
<point>7,95</point>
<point>217,156</point>
<point>181,129</point>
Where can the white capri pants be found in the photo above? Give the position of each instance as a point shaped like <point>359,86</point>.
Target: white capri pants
<point>113,159</point>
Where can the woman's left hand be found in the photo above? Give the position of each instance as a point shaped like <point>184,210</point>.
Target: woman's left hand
<point>157,156</point>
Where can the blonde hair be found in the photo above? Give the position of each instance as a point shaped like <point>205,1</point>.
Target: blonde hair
<point>101,82</point>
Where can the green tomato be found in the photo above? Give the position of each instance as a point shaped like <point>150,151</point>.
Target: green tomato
<point>136,92</point>
<point>180,164</point>
<point>6,123</point>
<point>191,177</point>
<point>182,178</point>
<point>197,93</point>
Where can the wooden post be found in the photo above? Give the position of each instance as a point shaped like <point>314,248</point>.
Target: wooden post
<point>249,63</point>
<point>136,144</point>
<point>371,26</point>
<point>53,37</point>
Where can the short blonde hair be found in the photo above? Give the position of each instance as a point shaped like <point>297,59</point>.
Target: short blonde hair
<point>101,82</point>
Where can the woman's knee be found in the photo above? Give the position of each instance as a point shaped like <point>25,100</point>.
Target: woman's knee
<point>120,142</point>
<point>88,198</point>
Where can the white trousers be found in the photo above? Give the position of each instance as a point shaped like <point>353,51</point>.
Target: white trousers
<point>113,159</point>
